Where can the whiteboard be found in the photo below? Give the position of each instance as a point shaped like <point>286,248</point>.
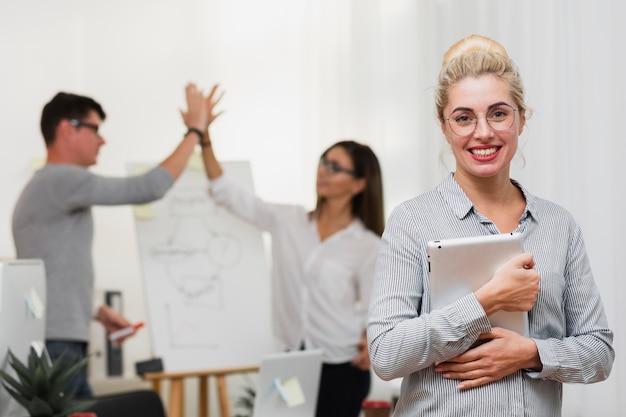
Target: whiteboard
<point>205,275</point>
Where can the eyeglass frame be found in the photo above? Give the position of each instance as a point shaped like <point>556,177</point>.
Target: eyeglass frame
<point>333,168</point>
<point>79,123</point>
<point>492,107</point>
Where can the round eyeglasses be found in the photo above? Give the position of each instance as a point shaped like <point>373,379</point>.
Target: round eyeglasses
<point>500,117</point>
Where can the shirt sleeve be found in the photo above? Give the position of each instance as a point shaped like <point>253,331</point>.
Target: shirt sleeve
<point>403,335</point>
<point>585,354</point>
<point>81,188</point>
<point>242,203</point>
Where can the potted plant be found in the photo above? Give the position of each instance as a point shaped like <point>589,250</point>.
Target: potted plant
<point>246,401</point>
<point>39,385</point>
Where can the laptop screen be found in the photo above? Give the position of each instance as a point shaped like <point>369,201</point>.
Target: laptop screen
<point>22,318</point>
<point>288,384</point>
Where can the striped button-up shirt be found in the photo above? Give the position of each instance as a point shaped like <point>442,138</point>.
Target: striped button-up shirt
<point>406,338</point>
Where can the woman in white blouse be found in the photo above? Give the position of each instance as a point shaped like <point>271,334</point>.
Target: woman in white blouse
<point>323,263</point>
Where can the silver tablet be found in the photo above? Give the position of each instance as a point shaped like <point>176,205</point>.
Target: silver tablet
<point>463,265</point>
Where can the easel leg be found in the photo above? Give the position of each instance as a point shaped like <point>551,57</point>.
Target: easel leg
<point>177,398</point>
<point>222,390</point>
<point>204,397</point>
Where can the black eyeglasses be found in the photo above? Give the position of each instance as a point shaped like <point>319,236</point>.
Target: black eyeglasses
<point>80,123</point>
<point>333,167</point>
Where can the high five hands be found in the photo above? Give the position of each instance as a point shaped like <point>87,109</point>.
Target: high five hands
<point>200,111</point>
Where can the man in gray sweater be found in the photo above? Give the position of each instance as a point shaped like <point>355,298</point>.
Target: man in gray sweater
<point>52,218</point>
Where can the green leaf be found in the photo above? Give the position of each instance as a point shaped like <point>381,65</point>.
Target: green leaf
<point>39,408</point>
<point>75,408</point>
<point>65,377</point>
<point>24,401</point>
<point>33,361</point>
<point>10,381</point>
<point>21,370</point>
<point>41,384</point>
<point>58,366</point>
<point>59,400</point>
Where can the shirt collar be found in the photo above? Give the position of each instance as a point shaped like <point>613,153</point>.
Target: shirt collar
<point>354,230</point>
<point>461,205</point>
<point>357,228</point>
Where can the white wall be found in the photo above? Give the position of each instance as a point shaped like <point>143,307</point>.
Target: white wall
<point>300,74</point>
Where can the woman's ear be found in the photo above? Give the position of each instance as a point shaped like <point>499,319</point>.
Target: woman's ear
<point>359,186</point>
<point>442,125</point>
<point>522,121</point>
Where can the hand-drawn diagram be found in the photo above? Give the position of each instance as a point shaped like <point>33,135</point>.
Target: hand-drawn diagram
<point>206,277</point>
<point>194,254</point>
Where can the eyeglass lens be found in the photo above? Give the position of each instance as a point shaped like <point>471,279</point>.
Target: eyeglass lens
<point>499,118</point>
<point>80,123</point>
<point>333,167</point>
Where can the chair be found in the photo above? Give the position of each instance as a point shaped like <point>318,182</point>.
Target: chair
<point>144,403</point>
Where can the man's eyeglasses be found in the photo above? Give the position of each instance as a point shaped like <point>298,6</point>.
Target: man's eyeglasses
<point>80,123</point>
<point>500,118</point>
<point>333,167</point>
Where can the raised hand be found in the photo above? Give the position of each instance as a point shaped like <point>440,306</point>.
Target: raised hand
<point>211,101</point>
<point>196,115</point>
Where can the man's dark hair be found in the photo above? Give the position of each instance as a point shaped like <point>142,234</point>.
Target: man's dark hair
<point>66,106</point>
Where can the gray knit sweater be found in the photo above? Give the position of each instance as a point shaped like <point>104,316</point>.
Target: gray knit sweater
<point>52,221</point>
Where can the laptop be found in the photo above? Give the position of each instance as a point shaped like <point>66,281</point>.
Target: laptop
<point>460,266</point>
<point>288,384</point>
<point>22,319</point>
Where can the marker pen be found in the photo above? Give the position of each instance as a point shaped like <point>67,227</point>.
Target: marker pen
<point>113,336</point>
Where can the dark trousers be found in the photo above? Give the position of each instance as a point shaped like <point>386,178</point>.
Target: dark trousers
<point>343,388</point>
<point>75,352</point>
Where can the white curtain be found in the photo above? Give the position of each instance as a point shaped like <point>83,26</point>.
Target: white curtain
<point>301,74</point>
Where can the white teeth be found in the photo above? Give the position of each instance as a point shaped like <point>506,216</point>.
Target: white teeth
<point>484,152</point>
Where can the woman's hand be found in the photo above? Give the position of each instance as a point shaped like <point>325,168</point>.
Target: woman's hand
<point>210,102</point>
<point>514,286</point>
<point>504,353</point>
<point>362,360</point>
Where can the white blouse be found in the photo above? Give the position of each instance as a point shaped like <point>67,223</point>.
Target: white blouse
<point>321,289</point>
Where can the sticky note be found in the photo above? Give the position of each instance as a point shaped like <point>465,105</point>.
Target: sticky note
<point>138,169</point>
<point>35,303</point>
<point>37,163</point>
<point>143,212</point>
<point>195,162</point>
<point>293,392</point>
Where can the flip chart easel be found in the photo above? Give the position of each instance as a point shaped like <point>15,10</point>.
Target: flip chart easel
<point>206,277</point>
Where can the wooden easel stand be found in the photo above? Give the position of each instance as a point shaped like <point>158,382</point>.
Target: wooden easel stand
<point>176,406</point>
